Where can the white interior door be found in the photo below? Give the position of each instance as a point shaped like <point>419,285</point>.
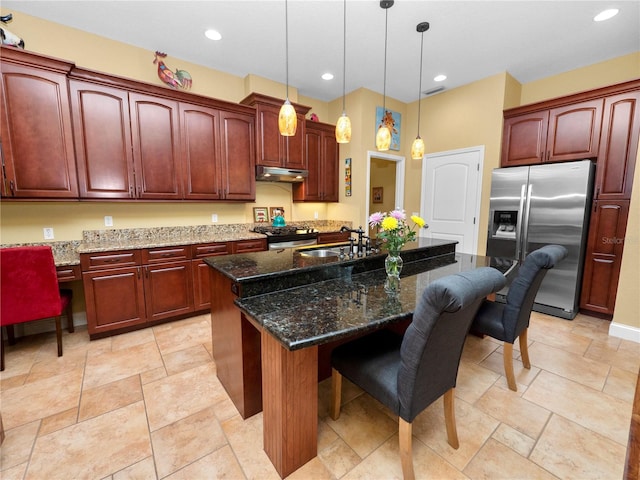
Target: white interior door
<point>451,188</point>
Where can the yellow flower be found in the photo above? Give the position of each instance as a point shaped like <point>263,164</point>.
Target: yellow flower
<point>389,223</point>
<point>417,220</point>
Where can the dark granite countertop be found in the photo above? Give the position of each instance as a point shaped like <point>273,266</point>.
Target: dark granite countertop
<point>342,307</point>
<point>262,272</point>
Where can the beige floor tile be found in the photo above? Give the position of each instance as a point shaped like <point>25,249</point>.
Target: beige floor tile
<point>588,372</point>
<point>131,339</point>
<point>50,367</point>
<point>559,338</point>
<point>114,395</point>
<point>626,359</point>
<point>513,410</point>
<point>153,375</point>
<point>515,440</point>
<point>245,438</point>
<point>571,451</point>
<point>12,382</point>
<point>219,464</point>
<point>186,440</point>
<point>621,384</point>
<point>185,359</point>
<point>338,457</point>
<point>349,392</point>
<point>473,380</point>
<point>587,407</point>
<point>326,435</point>
<point>37,400</point>
<point>363,425</point>
<point>314,469</point>
<point>524,376</point>
<point>477,349</point>
<point>142,470</point>
<point>496,461</point>
<point>178,396</point>
<point>94,448</point>
<point>474,427</point>
<point>17,445</point>
<point>14,473</point>
<point>58,421</point>
<point>183,334</point>
<point>108,367</point>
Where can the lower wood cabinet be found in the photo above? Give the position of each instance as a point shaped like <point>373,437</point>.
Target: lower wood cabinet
<point>333,237</point>
<point>604,256</point>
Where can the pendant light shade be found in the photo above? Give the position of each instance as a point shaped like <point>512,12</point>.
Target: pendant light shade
<point>383,137</point>
<point>417,148</point>
<point>343,127</point>
<point>287,119</point>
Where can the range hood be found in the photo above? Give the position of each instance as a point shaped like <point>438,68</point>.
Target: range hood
<point>277,174</point>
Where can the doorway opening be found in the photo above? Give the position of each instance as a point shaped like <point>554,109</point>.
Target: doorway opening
<point>385,183</point>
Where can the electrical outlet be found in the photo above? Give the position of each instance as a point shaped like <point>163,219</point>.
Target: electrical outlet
<point>315,215</point>
<point>214,217</point>
<point>108,221</point>
<point>48,233</point>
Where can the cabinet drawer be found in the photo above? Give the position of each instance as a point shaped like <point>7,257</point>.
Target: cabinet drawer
<point>244,246</point>
<point>333,237</point>
<point>68,273</point>
<point>211,249</point>
<point>102,260</point>
<point>157,255</point>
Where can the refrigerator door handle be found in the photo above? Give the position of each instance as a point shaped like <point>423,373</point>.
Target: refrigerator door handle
<point>525,225</point>
<point>519,232</point>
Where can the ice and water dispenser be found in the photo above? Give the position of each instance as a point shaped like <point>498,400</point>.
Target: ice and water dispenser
<point>504,224</point>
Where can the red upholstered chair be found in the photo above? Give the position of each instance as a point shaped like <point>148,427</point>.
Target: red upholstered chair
<point>29,290</point>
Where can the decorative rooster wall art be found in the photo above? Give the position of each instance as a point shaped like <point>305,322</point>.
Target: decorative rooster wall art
<point>6,36</point>
<point>178,79</point>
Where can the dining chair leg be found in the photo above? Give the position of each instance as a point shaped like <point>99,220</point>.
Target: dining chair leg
<point>59,334</point>
<point>69,314</point>
<point>524,349</point>
<point>1,351</point>
<point>11,335</point>
<point>406,454</point>
<point>450,418</point>
<point>507,358</point>
<point>336,393</point>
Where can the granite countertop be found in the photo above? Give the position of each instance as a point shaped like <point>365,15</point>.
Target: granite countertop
<point>342,307</point>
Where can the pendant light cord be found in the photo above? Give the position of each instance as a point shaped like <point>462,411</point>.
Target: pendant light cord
<point>384,83</point>
<point>420,86</point>
<point>344,56</point>
<point>286,42</point>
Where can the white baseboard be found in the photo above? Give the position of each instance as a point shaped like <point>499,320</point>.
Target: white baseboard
<point>626,332</point>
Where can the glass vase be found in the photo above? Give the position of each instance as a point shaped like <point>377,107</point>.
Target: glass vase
<point>393,264</point>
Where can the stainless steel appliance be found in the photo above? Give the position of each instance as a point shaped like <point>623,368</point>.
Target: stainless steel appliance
<point>540,205</point>
<point>291,236</point>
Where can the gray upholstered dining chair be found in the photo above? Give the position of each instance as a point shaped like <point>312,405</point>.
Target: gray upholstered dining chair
<point>408,373</point>
<point>510,320</point>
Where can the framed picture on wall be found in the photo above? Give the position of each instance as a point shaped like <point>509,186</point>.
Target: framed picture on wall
<point>376,194</point>
<point>392,120</point>
<point>260,214</point>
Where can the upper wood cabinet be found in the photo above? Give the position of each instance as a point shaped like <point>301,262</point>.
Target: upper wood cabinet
<point>558,134</point>
<point>322,154</point>
<point>237,156</point>
<point>275,150</point>
<point>37,142</point>
<point>618,146</point>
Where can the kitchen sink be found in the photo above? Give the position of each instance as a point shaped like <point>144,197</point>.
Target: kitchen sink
<point>320,252</point>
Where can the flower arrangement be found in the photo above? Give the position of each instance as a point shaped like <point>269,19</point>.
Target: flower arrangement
<point>393,229</point>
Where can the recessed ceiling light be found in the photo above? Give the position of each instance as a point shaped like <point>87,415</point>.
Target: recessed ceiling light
<point>440,78</point>
<point>213,34</point>
<point>327,76</point>
<point>606,15</point>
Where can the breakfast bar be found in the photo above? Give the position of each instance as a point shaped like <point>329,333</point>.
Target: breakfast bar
<point>270,343</point>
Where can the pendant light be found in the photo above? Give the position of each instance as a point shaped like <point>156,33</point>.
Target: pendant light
<point>417,148</point>
<point>287,119</point>
<point>343,127</point>
<point>383,137</point>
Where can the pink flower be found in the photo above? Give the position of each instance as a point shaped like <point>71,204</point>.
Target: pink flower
<point>375,219</point>
<point>398,214</point>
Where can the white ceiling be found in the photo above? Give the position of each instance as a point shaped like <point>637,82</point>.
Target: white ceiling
<point>467,41</point>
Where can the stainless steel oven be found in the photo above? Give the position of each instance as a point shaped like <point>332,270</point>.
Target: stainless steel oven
<point>291,236</point>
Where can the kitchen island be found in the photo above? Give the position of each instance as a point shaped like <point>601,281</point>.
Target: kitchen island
<point>277,315</point>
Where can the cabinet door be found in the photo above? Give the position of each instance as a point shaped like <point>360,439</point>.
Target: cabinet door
<point>103,288</point>
<point>200,152</point>
<point>201,274</point>
<point>37,140</point>
<point>294,147</point>
<point>155,134</point>
<point>574,131</point>
<point>168,290</point>
<point>102,134</point>
<point>246,246</point>
<point>330,167</point>
<point>604,256</point>
<point>310,189</point>
<point>237,158</point>
<point>618,146</point>
<point>524,139</point>
<point>270,143</point>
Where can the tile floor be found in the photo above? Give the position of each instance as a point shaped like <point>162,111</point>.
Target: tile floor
<point>148,405</point>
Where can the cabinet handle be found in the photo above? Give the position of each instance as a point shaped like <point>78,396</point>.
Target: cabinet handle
<point>595,206</point>
<point>12,187</point>
<point>131,191</point>
<point>146,272</point>
<point>138,273</point>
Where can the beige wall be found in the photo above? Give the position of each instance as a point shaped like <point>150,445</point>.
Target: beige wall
<point>463,117</point>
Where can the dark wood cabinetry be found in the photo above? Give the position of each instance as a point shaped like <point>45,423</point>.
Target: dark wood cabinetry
<point>322,153</point>
<point>333,237</point>
<point>274,150</point>
<point>37,142</point>
<point>564,133</point>
<point>604,255</point>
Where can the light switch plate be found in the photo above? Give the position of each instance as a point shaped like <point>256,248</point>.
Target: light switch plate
<point>108,221</point>
<point>214,217</point>
<point>48,233</point>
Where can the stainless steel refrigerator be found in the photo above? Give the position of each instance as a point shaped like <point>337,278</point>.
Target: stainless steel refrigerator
<point>540,205</point>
